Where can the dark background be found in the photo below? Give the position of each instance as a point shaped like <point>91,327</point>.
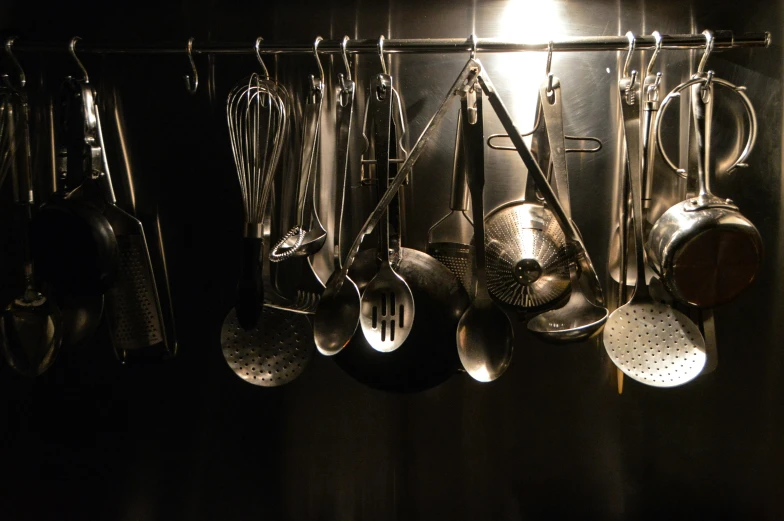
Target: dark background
<point>187,440</point>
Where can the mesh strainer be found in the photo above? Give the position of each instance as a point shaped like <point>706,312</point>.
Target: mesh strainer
<point>527,266</point>
<point>449,239</point>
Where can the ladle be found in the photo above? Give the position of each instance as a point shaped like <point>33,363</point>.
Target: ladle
<point>484,333</point>
<point>31,326</point>
<point>580,318</point>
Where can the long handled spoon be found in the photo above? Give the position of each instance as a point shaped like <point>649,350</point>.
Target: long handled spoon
<point>484,333</point>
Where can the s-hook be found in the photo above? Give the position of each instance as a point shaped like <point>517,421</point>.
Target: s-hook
<point>381,54</point>
<point>22,79</point>
<point>191,82</point>
<point>72,50</point>
<point>257,48</point>
<point>632,77</point>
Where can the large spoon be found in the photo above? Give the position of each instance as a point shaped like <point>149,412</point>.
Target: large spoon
<point>330,338</point>
<point>31,326</point>
<point>484,333</point>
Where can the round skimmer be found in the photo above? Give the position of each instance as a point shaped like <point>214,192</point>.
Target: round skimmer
<point>273,353</point>
<point>527,265</point>
<point>654,344</point>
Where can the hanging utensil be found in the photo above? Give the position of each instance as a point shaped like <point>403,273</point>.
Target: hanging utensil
<point>484,333</point>
<point>704,250</point>
<point>387,304</point>
<point>449,239</point>
<point>649,341</point>
<point>256,118</point>
<point>527,265</point>
<point>74,246</point>
<point>299,241</point>
<point>31,326</point>
<point>324,322</point>
<point>580,318</point>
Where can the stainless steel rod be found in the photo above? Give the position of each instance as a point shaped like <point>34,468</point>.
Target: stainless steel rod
<point>722,40</point>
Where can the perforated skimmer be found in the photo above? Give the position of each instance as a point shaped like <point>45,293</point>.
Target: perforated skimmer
<point>273,353</point>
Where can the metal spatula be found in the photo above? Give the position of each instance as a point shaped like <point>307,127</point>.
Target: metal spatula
<point>449,239</point>
<point>387,304</point>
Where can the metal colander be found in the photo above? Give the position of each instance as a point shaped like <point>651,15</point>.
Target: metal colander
<point>273,353</point>
<point>527,264</point>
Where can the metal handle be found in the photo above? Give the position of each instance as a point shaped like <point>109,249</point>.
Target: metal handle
<point>628,92</point>
<point>550,95</point>
<point>344,116</point>
<point>473,146</point>
<point>458,200</point>
<point>381,103</point>
<point>740,162</point>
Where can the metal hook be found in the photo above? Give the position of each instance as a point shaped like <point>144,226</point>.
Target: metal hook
<point>191,83</point>
<point>72,50</point>
<point>657,48</point>
<point>20,72</point>
<point>318,60</point>
<point>344,51</point>
<point>708,49</point>
<point>257,48</point>
<point>549,64</point>
<point>381,54</point>
<point>629,53</point>
<point>474,44</point>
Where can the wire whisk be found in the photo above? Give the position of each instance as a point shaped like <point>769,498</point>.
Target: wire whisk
<point>256,111</point>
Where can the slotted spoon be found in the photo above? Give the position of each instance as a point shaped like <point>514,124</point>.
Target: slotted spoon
<point>387,304</point>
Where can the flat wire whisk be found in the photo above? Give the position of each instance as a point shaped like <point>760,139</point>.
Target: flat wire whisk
<point>257,119</point>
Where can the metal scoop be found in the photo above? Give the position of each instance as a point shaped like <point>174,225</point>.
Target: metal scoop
<point>580,318</point>
<point>31,326</point>
<point>649,341</point>
<point>484,333</point>
<point>387,304</point>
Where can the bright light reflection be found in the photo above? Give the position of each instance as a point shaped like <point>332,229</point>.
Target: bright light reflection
<point>526,21</point>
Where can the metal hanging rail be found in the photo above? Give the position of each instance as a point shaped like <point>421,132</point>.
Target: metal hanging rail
<point>722,40</point>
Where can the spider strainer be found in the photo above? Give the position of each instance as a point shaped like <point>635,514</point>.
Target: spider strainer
<point>274,352</point>
<point>649,341</point>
